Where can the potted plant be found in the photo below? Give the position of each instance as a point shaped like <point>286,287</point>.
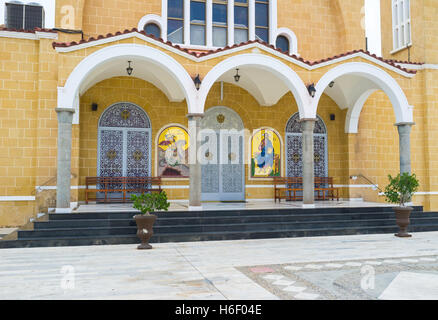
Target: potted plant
<point>400,190</point>
<point>147,204</point>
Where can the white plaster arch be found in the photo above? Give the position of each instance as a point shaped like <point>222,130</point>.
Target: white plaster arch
<point>381,79</point>
<point>353,113</point>
<point>284,73</point>
<point>290,35</point>
<point>177,78</point>
<point>151,18</point>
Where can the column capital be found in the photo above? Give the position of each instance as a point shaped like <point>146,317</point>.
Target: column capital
<point>308,119</point>
<point>195,115</point>
<point>65,115</point>
<point>399,124</point>
<point>58,110</point>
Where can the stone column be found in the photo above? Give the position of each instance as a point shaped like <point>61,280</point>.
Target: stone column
<point>404,133</point>
<point>308,163</point>
<point>194,165</point>
<point>63,184</point>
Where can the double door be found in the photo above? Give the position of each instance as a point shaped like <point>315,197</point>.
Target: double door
<point>123,152</point>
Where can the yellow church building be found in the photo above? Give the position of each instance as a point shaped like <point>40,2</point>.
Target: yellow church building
<point>117,87</point>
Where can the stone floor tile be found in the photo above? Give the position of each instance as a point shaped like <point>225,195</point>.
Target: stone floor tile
<point>353,264</point>
<point>313,266</point>
<point>294,289</point>
<point>373,263</point>
<point>273,277</point>
<point>306,296</point>
<point>283,282</point>
<point>390,261</point>
<point>293,268</point>
<point>334,265</point>
<point>428,259</point>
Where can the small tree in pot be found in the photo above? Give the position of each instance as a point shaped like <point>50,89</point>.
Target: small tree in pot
<point>400,190</point>
<point>147,204</point>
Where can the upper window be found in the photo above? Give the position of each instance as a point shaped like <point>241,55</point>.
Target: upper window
<point>240,21</point>
<point>24,16</point>
<point>282,43</point>
<point>220,22</point>
<point>175,21</point>
<point>197,22</point>
<point>152,29</point>
<point>217,23</point>
<point>401,23</point>
<point>262,20</point>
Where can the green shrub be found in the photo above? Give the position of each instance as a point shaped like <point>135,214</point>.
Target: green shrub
<point>150,202</point>
<point>401,188</point>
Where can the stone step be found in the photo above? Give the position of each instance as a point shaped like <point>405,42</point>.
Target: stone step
<point>206,236</point>
<point>120,227</point>
<point>164,219</point>
<point>223,213</point>
<point>242,226</point>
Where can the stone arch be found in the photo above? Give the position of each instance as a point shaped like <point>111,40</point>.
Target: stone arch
<point>373,79</point>
<point>271,66</point>
<point>178,84</point>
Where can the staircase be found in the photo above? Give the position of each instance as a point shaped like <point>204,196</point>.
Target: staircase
<point>99,228</point>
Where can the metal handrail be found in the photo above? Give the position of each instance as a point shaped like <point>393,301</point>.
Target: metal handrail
<point>375,185</point>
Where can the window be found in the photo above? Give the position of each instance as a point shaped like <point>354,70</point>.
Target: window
<point>153,29</point>
<point>27,17</point>
<point>217,23</point>
<point>282,43</point>
<point>240,21</point>
<point>262,20</point>
<point>220,20</point>
<point>197,22</point>
<point>401,23</point>
<point>175,21</point>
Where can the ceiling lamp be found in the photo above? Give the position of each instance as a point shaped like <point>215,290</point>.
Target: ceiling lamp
<point>237,76</point>
<point>197,82</point>
<point>312,90</point>
<point>129,69</point>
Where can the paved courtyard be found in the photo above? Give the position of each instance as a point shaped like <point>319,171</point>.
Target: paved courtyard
<point>341,267</point>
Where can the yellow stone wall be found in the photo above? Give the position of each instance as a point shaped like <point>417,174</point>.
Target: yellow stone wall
<point>424,35</point>
<point>31,71</point>
<point>323,27</point>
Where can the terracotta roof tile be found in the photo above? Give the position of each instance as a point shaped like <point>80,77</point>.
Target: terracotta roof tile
<point>202,53</point>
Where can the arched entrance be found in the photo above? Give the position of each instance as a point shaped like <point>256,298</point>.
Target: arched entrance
<point>222,156</point>
<point>124,140</point>
<point>294,148</point>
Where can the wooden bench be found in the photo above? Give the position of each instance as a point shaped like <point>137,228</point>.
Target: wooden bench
<point>118,189</point>
<point>291,188</point>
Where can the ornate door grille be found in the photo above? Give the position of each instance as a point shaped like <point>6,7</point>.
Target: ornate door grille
<point>294,148</point>
<point>124,143</point>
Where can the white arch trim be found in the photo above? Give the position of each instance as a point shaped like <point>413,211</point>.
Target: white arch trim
<point>290,35</point>
<point>403,112</point>
<point>151,18</point>
<point>289,77</point>
<point>68,96</point>
<point>353,114</point>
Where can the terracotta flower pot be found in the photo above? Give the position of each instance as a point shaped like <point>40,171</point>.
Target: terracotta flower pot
<point>402,219</point>
<point>144,229</point>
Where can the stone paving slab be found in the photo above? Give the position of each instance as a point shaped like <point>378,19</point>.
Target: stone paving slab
<point>216,269</point>
<point>352,280</point>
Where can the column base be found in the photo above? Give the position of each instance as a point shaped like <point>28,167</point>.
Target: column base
<point>63,210</point>
<point>308,206</point>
